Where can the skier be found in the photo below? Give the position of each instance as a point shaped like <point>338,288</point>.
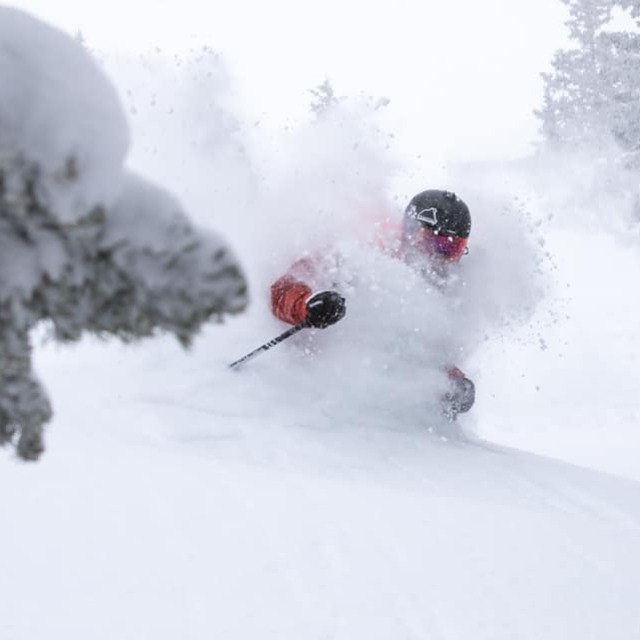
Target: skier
<point>432,238</point>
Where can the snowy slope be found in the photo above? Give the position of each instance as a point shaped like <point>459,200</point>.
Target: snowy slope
<point>564,383</point>
<point>155,514</point>
<point>576,396</point>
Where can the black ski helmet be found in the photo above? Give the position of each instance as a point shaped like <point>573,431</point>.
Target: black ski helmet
<point>441,211</point>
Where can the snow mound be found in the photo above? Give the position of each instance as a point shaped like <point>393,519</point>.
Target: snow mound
<point>60,117</point>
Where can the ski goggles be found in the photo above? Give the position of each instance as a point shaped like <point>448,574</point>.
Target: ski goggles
<point>450,247</point>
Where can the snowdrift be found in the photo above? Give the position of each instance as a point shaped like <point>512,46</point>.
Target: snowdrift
<point>161,512</point>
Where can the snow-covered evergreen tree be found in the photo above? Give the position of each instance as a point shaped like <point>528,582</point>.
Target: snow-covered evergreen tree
<point>324,97</point>
<point>84,244</point>
<point>621,59</point>
<point>591,108</point>
<point>592,94</point>
<point>633,6</point>
<point>574,93</point>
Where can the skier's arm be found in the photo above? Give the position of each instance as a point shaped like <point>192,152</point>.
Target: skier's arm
<point>289,299</point>
<point>293,300</point>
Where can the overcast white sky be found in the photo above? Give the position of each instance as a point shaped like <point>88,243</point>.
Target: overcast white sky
<point>462,75</point>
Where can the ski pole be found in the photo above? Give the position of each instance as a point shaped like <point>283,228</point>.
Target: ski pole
<point>272,343</point>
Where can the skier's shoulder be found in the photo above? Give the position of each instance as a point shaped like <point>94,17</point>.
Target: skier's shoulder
<point>388,236</point>
<point>311,264</point>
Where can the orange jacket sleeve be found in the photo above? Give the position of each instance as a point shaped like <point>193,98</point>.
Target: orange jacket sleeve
<point>289,293</point>
<point>288,299</point>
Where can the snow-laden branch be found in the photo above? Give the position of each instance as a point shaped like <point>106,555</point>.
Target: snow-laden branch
<point>84,244</point>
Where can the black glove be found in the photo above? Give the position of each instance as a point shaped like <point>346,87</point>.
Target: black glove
<point>324,309</point>
<point>460,397</point>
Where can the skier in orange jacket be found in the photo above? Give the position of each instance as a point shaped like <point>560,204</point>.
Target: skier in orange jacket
<point>433,237</point>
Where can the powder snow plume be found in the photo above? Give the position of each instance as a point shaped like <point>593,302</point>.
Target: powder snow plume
<point>329,183</point>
